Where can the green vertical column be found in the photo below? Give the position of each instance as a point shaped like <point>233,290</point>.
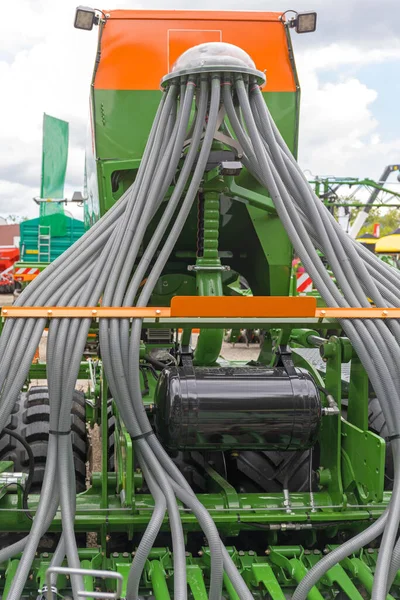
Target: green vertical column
<point>88,579</point>
<point>10,574</point>
<point>330,460</point>
<point>299,571</point>
<point>357,413</point>
<point>264,574</point>
<point>208,273</point>
<point>339,576</point>
<point>158,581</point>
<point>104,454</point>
<point>229,588</point>
<point>196,582</point>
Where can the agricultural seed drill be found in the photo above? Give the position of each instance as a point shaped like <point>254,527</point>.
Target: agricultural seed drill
<point>273,479</point>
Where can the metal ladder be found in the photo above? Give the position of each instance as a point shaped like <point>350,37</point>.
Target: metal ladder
<point>44,243</point>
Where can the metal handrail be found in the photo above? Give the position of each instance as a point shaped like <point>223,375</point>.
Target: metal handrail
<point>86,572</point>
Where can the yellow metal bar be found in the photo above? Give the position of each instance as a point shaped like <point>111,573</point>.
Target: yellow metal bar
<point>357,313</point>
<point>82,312</point>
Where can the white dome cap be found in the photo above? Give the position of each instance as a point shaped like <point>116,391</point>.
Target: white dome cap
<point>214,57</point>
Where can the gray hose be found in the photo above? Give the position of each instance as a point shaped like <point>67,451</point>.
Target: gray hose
<point>52,454</point>
<point>384,563</point>
<point>394,565</point>
<point>173,235</point>
<point>389,348</point>
<point>49,496</point>
<point>111,249</point>
<point>176,528</point>
<point>42,514</point>
<point>393,514</point>
<point>58,557</point>
<point>148,539</point>
<point>338,554</point>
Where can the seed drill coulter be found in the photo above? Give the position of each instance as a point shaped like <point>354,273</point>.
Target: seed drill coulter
<point>276,478</point>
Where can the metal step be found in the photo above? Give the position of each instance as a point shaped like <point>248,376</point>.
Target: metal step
<point>44,243</point>
<point>313,356</point>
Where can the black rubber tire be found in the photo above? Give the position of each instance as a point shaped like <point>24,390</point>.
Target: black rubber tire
<point>31,419</point>
<point>267,470</point>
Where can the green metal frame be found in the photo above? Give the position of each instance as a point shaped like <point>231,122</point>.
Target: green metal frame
<point>350,495</point>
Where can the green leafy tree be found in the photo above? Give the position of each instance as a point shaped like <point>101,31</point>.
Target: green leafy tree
<point>15,219</point>
<point>388,219</point>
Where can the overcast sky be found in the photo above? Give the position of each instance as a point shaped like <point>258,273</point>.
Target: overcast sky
<point>349,73</point>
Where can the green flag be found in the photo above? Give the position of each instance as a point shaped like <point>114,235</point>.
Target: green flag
<point>54,167</point>
<point>54,157</point>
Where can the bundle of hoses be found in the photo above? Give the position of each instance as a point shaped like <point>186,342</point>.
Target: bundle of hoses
<point>100,266</point>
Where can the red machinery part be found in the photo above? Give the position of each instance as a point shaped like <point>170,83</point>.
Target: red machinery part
<point>8,256</point>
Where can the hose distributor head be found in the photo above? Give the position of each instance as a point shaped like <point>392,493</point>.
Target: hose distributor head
<point>214,57</point>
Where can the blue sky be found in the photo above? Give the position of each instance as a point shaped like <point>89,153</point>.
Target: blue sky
<point>386,108</point>
<point>385,78</point>
<point>349,74</point>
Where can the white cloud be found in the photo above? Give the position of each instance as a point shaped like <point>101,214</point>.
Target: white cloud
<point>338,55</point>
<point>339,134</point>
<point>46,66</point>
<point>16,199</point>
<point>47,70</point>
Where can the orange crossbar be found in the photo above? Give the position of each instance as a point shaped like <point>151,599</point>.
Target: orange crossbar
<point>210,307</point>
<point>91,312</point>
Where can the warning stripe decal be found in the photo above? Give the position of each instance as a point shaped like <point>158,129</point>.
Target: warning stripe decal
<point>304,282</point>
<point>26,274</point>
<point>22,271</point>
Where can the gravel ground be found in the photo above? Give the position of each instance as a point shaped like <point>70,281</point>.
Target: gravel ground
<point>240,351</point>
<point>235,351</point>
<point>6,299</point>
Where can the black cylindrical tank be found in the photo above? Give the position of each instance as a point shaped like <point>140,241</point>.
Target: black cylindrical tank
<point>238,407</point>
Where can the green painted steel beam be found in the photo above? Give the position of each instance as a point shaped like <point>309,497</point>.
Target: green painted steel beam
<point>196,582</point>
<point>158,580</point>
<point>264,574</point>
<point>242,322</point>
<point>10,574</point>
<point>208,283</point>
<point>39,371</point>
<point>253,508</point>
<point>339,576</point>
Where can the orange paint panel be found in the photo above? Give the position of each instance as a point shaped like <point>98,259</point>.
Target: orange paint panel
<point>139,47</point>
<point>24,278</point>
<point>243,306</point>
